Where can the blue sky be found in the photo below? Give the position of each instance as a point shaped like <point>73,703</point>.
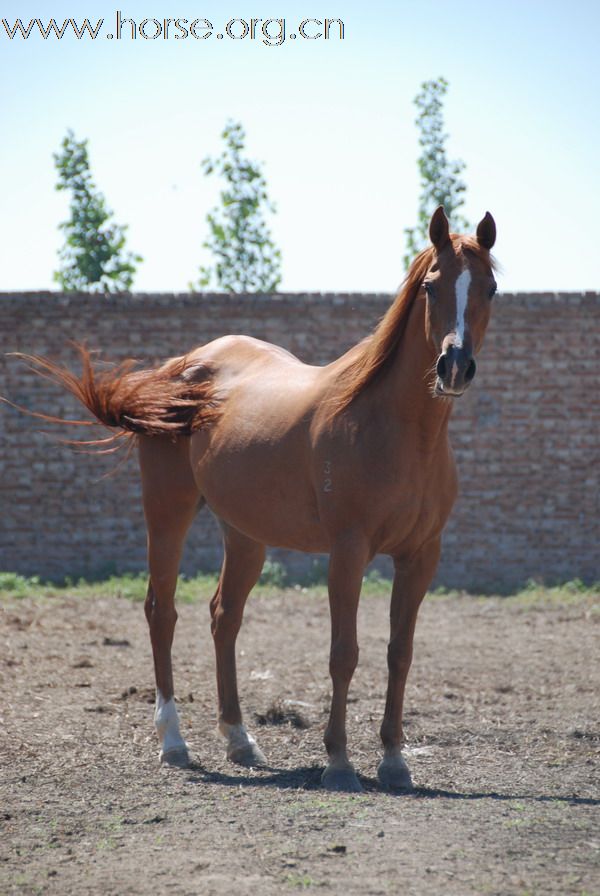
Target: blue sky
<point>333,123</point>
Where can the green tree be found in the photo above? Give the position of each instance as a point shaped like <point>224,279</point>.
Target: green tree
<point>93,257</point>
<point>245,259</point>
<point>441,183</point>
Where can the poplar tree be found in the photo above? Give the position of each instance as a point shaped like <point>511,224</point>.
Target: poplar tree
<point>244,256</point>
<point>93,257</point>
<point>441,183</point>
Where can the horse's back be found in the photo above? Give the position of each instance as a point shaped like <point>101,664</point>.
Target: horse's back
<point>231,357</point>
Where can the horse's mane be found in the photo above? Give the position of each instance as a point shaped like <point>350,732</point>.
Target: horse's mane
<point>378,349</point>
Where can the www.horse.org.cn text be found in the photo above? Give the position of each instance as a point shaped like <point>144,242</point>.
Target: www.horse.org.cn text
<point>271,32</point>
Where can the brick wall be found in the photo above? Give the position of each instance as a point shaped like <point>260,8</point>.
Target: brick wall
<point>525,436</point>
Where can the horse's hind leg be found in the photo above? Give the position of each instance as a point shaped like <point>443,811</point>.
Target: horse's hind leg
<point>171,500</point>
<point>242,566</point>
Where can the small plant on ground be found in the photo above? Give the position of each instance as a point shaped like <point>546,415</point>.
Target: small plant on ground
<point>274,574</point>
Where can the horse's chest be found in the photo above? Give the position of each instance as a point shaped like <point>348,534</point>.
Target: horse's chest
<point>417,508</point>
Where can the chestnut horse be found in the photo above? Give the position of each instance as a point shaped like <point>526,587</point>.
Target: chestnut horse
<point>352,459</point>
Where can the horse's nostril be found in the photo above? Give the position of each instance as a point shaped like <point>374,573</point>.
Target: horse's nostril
<point>470,371</point>
<point>440,367</point>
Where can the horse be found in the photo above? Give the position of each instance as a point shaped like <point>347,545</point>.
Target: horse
<point>351,459</point>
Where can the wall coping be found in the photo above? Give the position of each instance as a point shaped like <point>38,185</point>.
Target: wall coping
<point>260,298</point>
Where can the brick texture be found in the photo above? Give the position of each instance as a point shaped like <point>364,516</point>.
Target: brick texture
<point>525,436</point>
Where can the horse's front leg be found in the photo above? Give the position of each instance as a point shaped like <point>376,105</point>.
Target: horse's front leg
<point>411,581</point>
<point>346,567</point>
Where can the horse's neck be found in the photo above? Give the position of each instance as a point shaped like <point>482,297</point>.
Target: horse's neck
<point>409,380</point>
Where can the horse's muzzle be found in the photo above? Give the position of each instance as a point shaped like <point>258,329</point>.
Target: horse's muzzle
<point>455,369</point>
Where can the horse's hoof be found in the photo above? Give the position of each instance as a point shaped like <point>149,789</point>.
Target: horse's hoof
<point>341,780</point>
<point>394,775</point>
<point>178,757</point>
<point>249,755</point>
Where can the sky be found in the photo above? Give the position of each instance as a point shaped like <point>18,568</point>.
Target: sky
<point>332,122</point>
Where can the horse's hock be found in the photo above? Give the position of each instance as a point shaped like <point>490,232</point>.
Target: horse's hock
<point>525,437</point>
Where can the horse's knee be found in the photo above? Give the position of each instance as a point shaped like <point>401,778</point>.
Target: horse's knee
<point>214,603</point>
<point>161,620</point>
<point>157,610</point>
<point>399,658</point>
<point>343,660</point>
<point>226,622</point>
<point>149,602</point>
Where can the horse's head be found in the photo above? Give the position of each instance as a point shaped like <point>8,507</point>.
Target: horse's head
<point>459,286</point>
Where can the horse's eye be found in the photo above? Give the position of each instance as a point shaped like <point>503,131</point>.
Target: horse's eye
<point>429,290</point>
<point>492,291</point>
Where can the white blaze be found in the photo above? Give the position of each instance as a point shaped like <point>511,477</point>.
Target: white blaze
<point>462,295</point>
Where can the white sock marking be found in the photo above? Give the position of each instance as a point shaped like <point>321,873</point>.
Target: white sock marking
<point>237,736</point>
<point>166,721</point>
<point>462,296</point>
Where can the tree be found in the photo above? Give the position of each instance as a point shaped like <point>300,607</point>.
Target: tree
<point>93,257</point>
<point>245,257</point>
<point>441,183</point>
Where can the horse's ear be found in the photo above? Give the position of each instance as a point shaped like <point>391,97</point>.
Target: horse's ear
<point>439,230</point>
<point>486,231</point>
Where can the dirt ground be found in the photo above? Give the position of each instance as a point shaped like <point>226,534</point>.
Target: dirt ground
<point>503,742</point>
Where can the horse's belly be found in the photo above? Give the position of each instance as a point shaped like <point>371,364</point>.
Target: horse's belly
<point>276,521</point>
<point>263,492</point>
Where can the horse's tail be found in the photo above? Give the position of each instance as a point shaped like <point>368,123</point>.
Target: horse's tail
<point>175,399</point>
